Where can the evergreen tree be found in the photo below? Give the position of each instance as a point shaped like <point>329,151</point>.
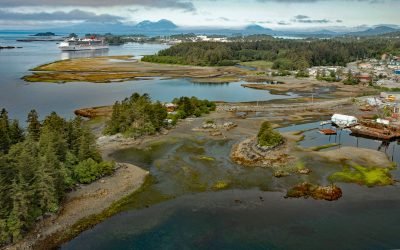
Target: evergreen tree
<point>5,141</point>
<point>87,147</point>
<point>33,125</point>
<point>16,133</point>
<point>18,219</point>
<point>44,186</point>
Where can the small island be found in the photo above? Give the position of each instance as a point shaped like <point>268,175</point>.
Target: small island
<point>44,34</point>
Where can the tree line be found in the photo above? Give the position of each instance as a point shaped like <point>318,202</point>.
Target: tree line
<point>138,115</point>
<point>39,164</point>
<point>285,54</point>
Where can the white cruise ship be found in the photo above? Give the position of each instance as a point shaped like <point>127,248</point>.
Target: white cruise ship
<point>75,44</point>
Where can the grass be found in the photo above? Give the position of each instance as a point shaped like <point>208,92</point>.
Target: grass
<point>368,176</point>
<point>326,146</point>
<point>220,185</point>
<point>206,158</point>
<point>62,77</point>
<point>263,65</point>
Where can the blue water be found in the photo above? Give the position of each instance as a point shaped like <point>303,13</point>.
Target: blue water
<point>364,218</point>
<point>19,97</point>
<point>219,221</point>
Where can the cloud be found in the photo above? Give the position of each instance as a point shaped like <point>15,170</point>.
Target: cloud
<point>74,15</point>
<point>173,4</point>
<point>307,19</point>
<point>313,1</point>
<point>301,17</point>
<point>283,23</point>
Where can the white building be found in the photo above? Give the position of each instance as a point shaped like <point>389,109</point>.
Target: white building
<point>344,120</point>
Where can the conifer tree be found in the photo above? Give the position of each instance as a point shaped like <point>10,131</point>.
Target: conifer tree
<point>33,125</point>
<point>16,133</point>
<point>44,186</point>
<point>5,141</point>
<point>19,217</point>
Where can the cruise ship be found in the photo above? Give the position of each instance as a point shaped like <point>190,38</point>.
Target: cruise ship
<point>75,44</point>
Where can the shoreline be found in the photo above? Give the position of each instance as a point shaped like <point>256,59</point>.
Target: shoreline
<point>84,202</point>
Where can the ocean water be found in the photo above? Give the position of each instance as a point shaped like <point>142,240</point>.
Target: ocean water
<point>19,97</point>
<point>251,214</point>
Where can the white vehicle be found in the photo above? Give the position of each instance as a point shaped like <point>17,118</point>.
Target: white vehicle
<point>76,44</point>
<point>344,120</point>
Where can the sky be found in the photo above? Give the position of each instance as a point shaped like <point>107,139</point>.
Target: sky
<point>276,14</point>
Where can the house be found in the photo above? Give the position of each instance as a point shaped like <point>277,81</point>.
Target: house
<point>170,107</point>
<point>344,120</point>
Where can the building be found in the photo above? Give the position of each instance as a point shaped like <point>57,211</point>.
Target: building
<point>344,120</point>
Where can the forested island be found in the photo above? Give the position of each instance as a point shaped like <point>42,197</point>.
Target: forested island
<point>138,115</point>
<point>285,54</point>
<point>39,165</point>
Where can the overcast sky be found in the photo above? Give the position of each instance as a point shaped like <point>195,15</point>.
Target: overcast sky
<point>277,14</point>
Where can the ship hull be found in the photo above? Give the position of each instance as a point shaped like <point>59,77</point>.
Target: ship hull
<point>80,48</point>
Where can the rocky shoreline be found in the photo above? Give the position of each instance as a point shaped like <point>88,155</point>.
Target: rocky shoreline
<point>248,153</point>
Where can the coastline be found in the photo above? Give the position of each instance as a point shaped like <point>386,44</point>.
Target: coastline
<point>86,201</point>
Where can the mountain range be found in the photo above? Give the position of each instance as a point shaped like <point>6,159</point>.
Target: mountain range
<point>166,27</point>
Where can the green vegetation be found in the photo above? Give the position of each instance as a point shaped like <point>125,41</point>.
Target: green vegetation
<point>329,76</point>
<point>262,65</point>
<point>285,54</point>
<point>322,147</point>
<point>38,166</point>
<point>302,74</point>
<point>369,176</point>
<point>268,137</point>
<point>350,79</point>
<point>138,115</point>
<point>192,107</point>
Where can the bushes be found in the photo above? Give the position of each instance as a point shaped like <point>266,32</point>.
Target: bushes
<point>267,137</point>
<point>89,170</point>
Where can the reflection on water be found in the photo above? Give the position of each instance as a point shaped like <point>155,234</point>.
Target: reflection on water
<point>83,53</point>
<point>243,217</point>
<point>344,137</point>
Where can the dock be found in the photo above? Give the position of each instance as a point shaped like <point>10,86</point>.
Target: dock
<point>376,130</point>
<point>327,131</point>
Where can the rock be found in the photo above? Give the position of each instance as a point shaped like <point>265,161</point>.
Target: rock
<point>229,125</point>
<point>102,181</point>
<point>208,125</point>
<point>304,171</point>
<point>216,133</point>
<point>305,189</point>
<point>281,173</point>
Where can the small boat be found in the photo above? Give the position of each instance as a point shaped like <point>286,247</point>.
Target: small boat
<point>327,131</point>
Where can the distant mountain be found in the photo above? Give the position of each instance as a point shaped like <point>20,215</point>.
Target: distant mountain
<point>257,29</point>
<point>160,25</point>
<point>379,30</point>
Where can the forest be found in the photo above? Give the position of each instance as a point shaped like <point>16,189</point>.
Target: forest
<point>285,54</point>
<point>39,164</point>
<point>138,115</point>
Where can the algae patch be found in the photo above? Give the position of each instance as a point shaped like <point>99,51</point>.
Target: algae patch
<point>368,176</point>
